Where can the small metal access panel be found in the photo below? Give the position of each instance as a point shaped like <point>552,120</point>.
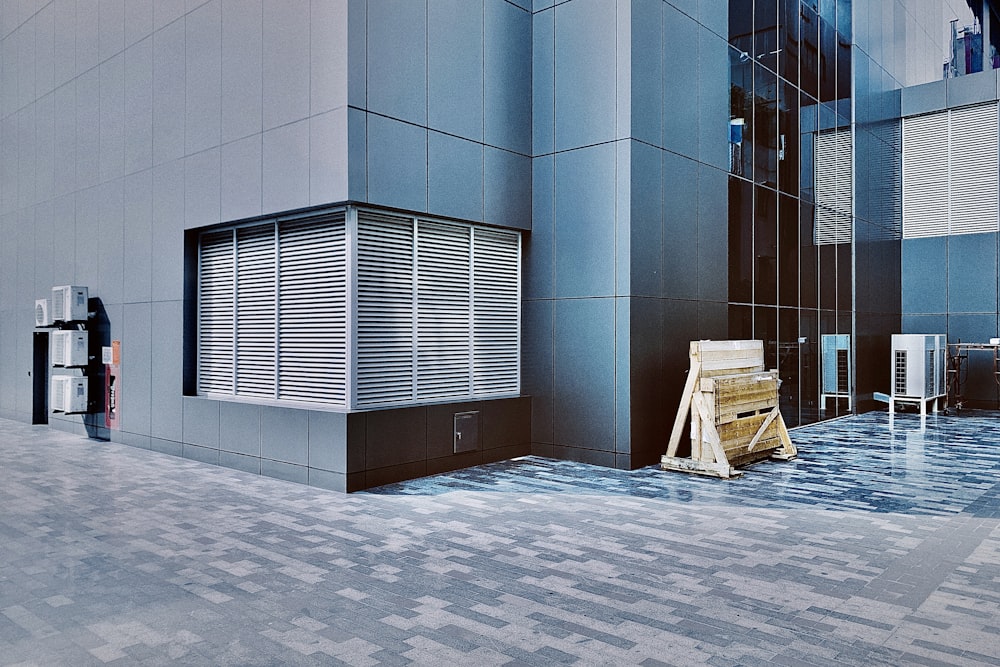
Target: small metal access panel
<point>466,431</point>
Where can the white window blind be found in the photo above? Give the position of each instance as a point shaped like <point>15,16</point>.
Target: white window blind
<point>384,310</point>
<point>950,167</point>
<point>834,187</point>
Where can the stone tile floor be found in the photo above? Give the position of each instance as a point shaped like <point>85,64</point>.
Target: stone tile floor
<point>872,548</point>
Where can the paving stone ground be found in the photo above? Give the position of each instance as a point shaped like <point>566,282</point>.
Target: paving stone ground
<point>872,548</point>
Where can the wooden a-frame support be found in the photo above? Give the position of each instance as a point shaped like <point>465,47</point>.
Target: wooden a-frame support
<point>733,404</point>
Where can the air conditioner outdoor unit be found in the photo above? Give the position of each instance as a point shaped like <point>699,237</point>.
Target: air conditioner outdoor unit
<point>69,303</point>
<point>70,348</point>
<point>918,365</point>
<point>68,393</point>
<point>43,314</point>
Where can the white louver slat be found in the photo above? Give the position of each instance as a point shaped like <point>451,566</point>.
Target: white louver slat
<point>443,312</point>
<point>215,313</point>
<point>384,363</point>
<point>312,326</point>
<point>255,325</point>
<point>925,176</point>
<point>834,184</point>
<point>496,312</point>
<point>973,173</point>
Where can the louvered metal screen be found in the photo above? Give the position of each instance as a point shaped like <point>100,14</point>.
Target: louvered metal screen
<point>373,311</point>
<point>385,326</point>
<point>438,311</point>
<point>255,311</point>
<point>925,176</point>
<point>974,170</point>
<point>443,310</point>
<point>312,311</point>
<point>496,312</point>
<point>950,165</point>
<point>272,318</point>
<point>216,272</point>
<point>834,184</point>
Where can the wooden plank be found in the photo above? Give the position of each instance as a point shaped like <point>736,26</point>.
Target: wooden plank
<point>683,408</point>
<point>698,467</point>
<point>763,427</point>
<point>708,432</point>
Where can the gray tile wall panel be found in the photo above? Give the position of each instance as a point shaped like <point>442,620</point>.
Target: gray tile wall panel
<point>455,67</point>
<point>284,434</point>
<point>242,462</point>
<point>680,227</point>
<point>328,44</point>
<point>166,372</point>
<point>507,76</point>
<point>397,163</point>
<point>543,83</point>
<point>327,441</point>
<point>111,235</point>
<point>645,220</point>
<point>585,71</point>
<point>585,222</point>
<point>285,179</point>
<point>537,258</point>
<point>203,68</point>
<point>328,163</point>
<point>168,92</point>
<point>972,273</point>
<point>201,422</point>
<point>713,233</point>
<point>138,236</point>
<point>397,60</point>
<point>138,20</point>
<point>286,67</point>
<point>455,176</point>
<point>242,69</point>
<point>136,368</point>
<point>647,71</point>
<point>112,118</point>
<point>138,107</point>
<point>925,275</point>
<point>285,471</point>
<point>167,232</point>
<point>110,28</point>
<point>240,178</point>
<point>680,82</point>
<point>202,188</point>
<point>584,373</point>
<point>239,428</point>
<point>507,179</point>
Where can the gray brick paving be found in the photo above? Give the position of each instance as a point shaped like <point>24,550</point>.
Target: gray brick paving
<point>873,548</point>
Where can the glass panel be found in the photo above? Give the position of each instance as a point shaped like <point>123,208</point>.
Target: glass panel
<point>843,67</point>
<point>827,61</point>
<point>788,139</point>
<point>740,322</point>
<point>788,251</point>
<point>788,33</point>
<point>766,246</point>
<point>828,278</point>
<point>809,368</point>
<point>788,364</point>
<point>808,257</point>
<point>765,36</point>
<point>740,113</point>
<point>808,127</point>
<point>765,126</point>
<point>765,328</point>
<point>844,19</point>
<point>740,240</point>
<point>809,49</point>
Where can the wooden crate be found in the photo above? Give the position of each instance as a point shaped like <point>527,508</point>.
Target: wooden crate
<point>733,404</point>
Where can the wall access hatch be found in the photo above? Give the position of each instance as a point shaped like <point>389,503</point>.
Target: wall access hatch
<point>466,432</point>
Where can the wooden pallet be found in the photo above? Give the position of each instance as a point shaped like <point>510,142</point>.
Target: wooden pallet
<point>733,403</point>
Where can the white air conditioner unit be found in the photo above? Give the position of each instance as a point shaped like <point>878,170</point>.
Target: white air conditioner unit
<point>918,365</point>
<point>68,393</point>
<point>69,303</point>
<point>43,314</point>
<point>70,348</point>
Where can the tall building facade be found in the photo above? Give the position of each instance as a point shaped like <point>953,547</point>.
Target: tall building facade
<point>346,242</point>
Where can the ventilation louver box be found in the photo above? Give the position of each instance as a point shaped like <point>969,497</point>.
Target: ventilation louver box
<point>70,348</point>
<point>69,303</point>
<point>43,313</point>
<point>68,393</point>
<point>918,365</point>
